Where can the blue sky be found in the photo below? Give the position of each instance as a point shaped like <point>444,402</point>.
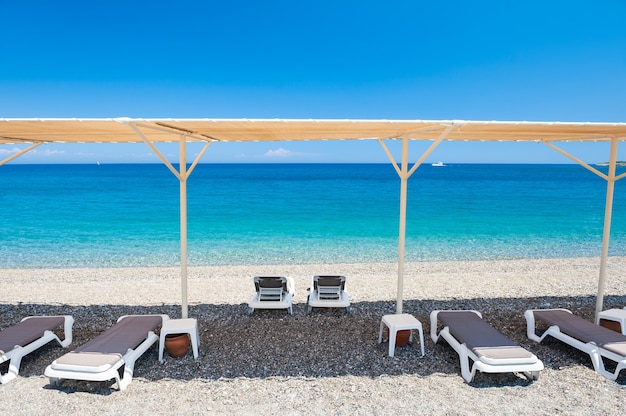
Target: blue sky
<point>483,60</point>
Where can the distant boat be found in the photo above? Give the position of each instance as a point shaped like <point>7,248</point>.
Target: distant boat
<point>438,164</point>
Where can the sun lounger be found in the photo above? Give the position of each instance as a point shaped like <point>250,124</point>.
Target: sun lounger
<point>597,341</point>
<point>328,292</point>
<point>30,334</point>
<point>474,339</point>
<point>101,358</point>
<point>272,292</point>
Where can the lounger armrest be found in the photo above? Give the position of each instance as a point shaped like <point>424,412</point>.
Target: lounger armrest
<point>291,285</point>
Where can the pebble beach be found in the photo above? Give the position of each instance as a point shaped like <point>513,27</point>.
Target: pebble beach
<point>326,362</point>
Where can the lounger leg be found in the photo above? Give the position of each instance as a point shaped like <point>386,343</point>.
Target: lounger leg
<point>532,375</point>
<point>468,375</point>
<point>598,365</point>
<point>14,368</point>
<point>620,366</point>
<point>123,382</point>
<point>131,357</point>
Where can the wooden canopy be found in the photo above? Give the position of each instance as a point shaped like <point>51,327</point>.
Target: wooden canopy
<point>125,130</point>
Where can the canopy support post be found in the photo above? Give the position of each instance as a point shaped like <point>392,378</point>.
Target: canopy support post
<point>402,223</point>
<point>606,234</point>
<point>182,174</point>
<point>183,225</point>
<point>404,173</point>
<point>610,179</point>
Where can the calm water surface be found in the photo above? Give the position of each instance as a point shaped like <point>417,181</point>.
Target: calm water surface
<point>127,215</point>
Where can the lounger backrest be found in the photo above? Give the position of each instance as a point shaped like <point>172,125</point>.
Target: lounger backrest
<point>270,288</point>
<point>469,329</point>
<point>127,333</point>
<point>329,287</point>
<point>579,328</point>
<point>270,282</point>
<point>339,281</point>
<point>28,331</point>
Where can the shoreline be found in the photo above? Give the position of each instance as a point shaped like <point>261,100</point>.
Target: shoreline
<point>326,362</point>
<point>233,284</point>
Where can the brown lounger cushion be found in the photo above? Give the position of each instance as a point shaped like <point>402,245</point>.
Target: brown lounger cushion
<point>89,362</point>
<point>28,331</point>
<point>583,330</point>
<point>480,337</point>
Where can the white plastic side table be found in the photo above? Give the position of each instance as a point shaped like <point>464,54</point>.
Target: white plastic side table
<point>180,326</point>
<point>615,315</point>
<point>399,322</point>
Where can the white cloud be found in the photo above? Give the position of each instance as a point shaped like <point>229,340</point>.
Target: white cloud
<point>83,154</point>
<point>274,154</point>
<point>33,153</point>
<point>7,152</point>
<point>279,153</point>
<point>47,152</point>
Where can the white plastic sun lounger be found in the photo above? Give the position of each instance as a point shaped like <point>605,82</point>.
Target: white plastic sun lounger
<point>474,339</point>
<point>597,341</point>
<point>30,334</point>
<point>328,292</point>
<point>272,292</point>
<point>102,358</point>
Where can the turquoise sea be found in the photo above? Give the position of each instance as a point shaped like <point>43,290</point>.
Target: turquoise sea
<point>127,215</point>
